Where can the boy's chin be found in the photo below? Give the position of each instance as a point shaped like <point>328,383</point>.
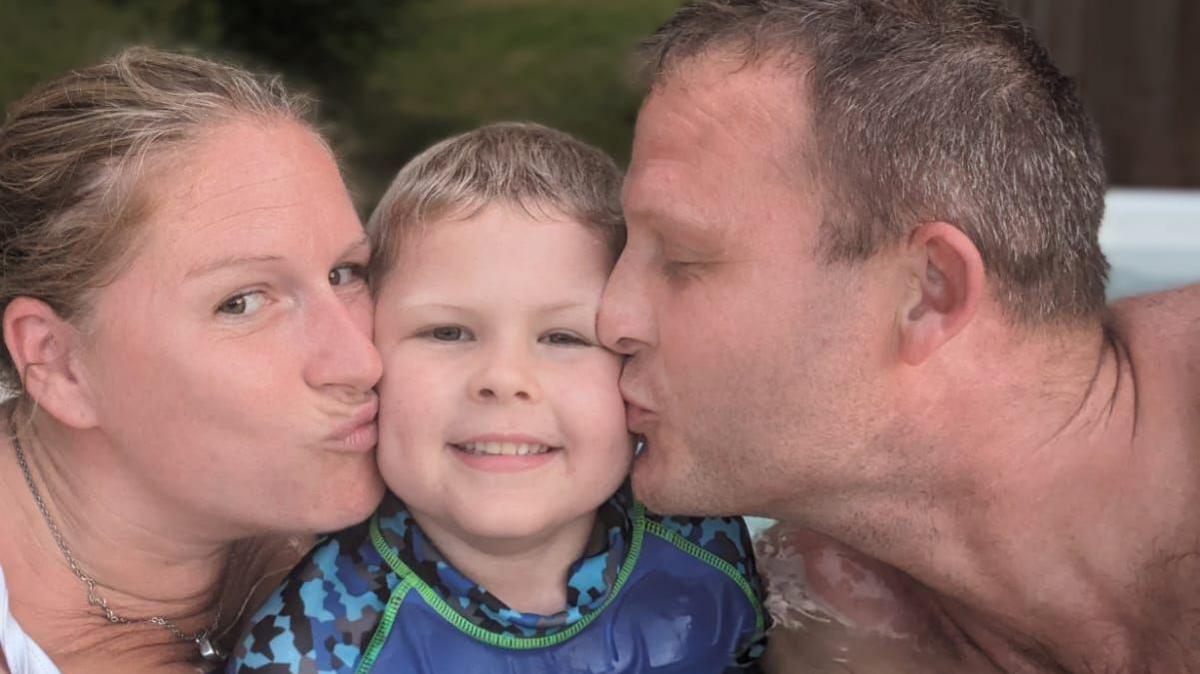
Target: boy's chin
<point>533,523</point>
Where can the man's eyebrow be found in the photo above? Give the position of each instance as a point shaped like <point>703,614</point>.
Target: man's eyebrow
<point>687,225</point>
<point>230,261</point>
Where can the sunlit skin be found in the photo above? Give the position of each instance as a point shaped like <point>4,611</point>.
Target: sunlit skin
<point>486,326</point>
<point>946,477</point>
<point>219,388</point>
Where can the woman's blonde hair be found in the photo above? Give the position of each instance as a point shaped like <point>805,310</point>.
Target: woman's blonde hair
<point>544,171</point>
<point>73,158</point>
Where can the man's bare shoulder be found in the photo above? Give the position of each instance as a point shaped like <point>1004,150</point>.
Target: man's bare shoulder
<point>1171,318</point>
<point>1162,333</point>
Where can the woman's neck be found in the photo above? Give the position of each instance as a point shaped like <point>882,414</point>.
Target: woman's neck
<point>528,574</point>
<point>142,566</point>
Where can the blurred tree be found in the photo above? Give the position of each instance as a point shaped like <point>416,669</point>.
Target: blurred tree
<point>392,76</point>
<point>325,42</point>
<point>452,65</point>
<point>45,38</point>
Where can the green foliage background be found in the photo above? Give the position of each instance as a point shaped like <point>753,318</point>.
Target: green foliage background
<point>392,76</point>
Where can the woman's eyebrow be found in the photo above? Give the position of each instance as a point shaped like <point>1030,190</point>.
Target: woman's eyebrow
<point>229,261</point>
<point>362,245</point>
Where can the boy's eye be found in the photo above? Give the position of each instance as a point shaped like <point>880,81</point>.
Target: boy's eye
<point>347,273</point>
<point>448,333</point>
<point>242,304</point>
<point>562,338</point>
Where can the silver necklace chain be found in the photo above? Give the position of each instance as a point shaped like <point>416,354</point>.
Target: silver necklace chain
<point>202,639</point>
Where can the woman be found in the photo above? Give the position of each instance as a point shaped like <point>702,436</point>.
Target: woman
<point>187,333</point>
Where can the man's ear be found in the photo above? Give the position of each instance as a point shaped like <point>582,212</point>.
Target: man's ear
<point>42,346</point>
<point>950,285</point>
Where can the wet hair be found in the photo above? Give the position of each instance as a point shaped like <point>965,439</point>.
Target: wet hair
<point>541,170</point>
<point>75,158</point>
<point>923,111</point>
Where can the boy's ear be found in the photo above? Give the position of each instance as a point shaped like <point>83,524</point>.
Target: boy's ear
<point>948,289</point>
<point>43,348</point>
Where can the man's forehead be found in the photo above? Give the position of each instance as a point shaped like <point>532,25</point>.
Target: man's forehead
<point>714,95</point>
<point>716,126</point>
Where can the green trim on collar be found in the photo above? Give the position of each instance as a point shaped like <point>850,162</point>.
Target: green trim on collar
<point>385,624</point>
<point>410,580</point>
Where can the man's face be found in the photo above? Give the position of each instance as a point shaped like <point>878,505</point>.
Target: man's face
<point>749,357</point>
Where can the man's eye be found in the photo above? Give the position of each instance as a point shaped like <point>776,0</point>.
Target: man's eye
<point>561,338</point>
<point>448,333</point>
<point>242,304</point>
<point>678,269</point>
<point>347,273</point>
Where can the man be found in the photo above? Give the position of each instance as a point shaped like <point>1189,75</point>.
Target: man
<point>863,294</point>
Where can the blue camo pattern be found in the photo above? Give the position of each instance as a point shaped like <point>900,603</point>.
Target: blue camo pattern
<point>322,618</point>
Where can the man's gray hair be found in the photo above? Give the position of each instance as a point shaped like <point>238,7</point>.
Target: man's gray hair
<point>929,110</point>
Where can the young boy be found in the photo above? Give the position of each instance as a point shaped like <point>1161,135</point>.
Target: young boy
<point>511,542</point>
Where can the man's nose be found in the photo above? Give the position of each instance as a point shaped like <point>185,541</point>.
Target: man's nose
<point>625,323</point>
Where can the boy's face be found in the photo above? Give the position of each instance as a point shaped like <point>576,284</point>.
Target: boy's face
<point>500,416</point>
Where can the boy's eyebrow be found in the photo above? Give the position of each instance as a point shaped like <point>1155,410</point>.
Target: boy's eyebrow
<point>547,309</point>
<point>564,306</point>
<point>434,305</point>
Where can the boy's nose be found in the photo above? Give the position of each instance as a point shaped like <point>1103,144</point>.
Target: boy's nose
<point>506,376</point>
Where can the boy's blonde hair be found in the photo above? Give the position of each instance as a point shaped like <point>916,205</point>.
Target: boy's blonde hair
<point>545,172</point>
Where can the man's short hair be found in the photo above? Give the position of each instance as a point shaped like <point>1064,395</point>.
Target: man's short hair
<point>541,170</point>
<point>929,110</point>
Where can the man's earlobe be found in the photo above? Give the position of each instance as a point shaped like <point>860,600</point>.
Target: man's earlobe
<point>40,343</point>
<point>949,289</point>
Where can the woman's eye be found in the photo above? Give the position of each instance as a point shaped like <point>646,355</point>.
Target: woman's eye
<point>448,333</point>
<point>560,338</point>
<point>242,304</point>
<point>347,273</point>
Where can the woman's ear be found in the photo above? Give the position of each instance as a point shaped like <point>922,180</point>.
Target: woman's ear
<point>949,288</point>
<point>43,349</point>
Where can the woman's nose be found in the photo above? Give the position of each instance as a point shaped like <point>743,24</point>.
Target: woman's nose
<point>344,356</point>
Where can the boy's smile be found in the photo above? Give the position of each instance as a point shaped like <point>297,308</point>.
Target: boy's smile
<point>505,453</point>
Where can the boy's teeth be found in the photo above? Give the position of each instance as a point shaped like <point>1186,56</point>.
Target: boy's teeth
<point>504,448</point>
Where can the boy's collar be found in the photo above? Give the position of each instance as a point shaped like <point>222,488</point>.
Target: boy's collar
<point>589,578</point>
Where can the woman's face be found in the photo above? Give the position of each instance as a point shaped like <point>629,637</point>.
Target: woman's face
<point>231,362</point>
